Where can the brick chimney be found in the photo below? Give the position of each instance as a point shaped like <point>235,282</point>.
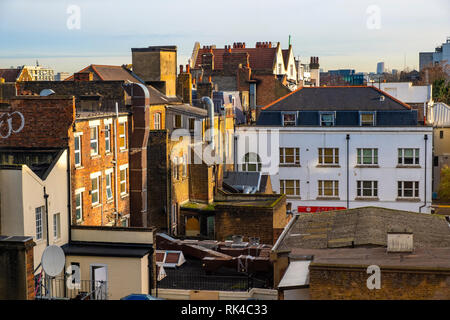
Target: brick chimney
<point>232,60</point>
<point>83,76</point>
<point>208,60</point>
<point>205,89</point>
<point>184,85</point>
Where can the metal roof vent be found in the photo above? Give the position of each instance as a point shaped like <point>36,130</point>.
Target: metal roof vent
<point>46,92</point>
<point>382,98</point>
<point>400,241</point>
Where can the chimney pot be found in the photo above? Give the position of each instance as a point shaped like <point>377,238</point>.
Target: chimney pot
<point>188,69</point>
<point>209,79</point>
<point>181,68</point>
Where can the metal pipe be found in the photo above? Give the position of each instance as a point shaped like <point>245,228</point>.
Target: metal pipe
<point>46,216</point>
<point>425,138</point>
<point>69,195</point>
<point>210,107</point>
<point>348,178</point>
<point>116,205</point>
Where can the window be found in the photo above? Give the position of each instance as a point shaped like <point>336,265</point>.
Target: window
<point>367,188</point>
<point>289,119</point>
<point>157,121</point>
<point>177,121</point>
<point>252,162</point>
<point>77,151</point>
<point>408,156</point>
<point>292,70</point>
<point>279,68</point>
<point>328,188</point>
<point>94,141</point>
<point>289,155</point>
<point>408,189</point>
<point>39,223</point>
<point>176,174</point>
<point>441,134</point>
<point>108,186</point>
<point>184,165</point>
<point>290,187</point>
<point>123,181</point>
<point>327,119</point>
<point>367,156</point>
<point>191,124</point>
<point>56,226</point>
<point>79,206</point>
<point>95,186</point>
<point>122,135</point>
<point>107,138</point>
<point>367,119</point>
<point>328,156</point>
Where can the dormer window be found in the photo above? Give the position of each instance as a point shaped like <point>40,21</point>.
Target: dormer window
<point>289,119</point>
<point>327,119</point>
<point>367,119</point>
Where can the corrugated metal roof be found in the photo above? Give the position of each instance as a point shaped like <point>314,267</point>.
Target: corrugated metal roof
<point>439,115</point>
<point>296,275</point>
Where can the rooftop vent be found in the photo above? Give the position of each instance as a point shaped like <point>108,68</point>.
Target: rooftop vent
<point>46,92</point>
<point>400,241</point>
<point>382,98</point>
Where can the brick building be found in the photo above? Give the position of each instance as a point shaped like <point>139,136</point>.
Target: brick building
<point>326,255</point>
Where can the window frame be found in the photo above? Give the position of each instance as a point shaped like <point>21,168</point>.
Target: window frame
<point>123,135</point>
<point>360,188</point>
<point>257,163</point>
<point>322,188</point>
<point>108,176</point>
<point>56,226</point>
<point>292,123</point>
<point>175,118</point>
<point>107,138</point>
<point>157,120</point>
<point>77,137</point>
<point>295,187</point>
<point>401,158</point>
<point>80,207</point>
<point>94,140</point>
<point>322,156</point>
<point>95,191</point>
<point>414,189</point>
<point>39,220</point>
<point>295,155</point>
<point>321,114</point>
<point>361,122</point>
<point>123,181</point>
<point>360,156</point>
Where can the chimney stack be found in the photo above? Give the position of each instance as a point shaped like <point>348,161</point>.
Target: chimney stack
<point>400,241</point>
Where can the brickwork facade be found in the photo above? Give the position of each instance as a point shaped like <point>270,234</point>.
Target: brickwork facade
<point>349,282</point>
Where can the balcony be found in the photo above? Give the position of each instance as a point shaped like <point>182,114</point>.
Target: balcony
<point>60,289</point>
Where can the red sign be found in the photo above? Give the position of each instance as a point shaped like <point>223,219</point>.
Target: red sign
<point>318,209</point>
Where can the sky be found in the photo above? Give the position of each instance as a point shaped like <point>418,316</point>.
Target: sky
<point>68,35</point>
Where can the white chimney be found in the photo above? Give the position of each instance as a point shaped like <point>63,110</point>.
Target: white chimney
<point>400,241</point>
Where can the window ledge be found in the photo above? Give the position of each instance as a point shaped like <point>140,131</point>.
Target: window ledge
<point>293,197</point>
<point>288,165</point>
<point>367,166</point>
<point>328,198</point>
<point>328,166</point>
<point>123,150</point>
<point>79,167</point>
<point>409,166</point>
<point>124,195</point>
<point>108,153</point>
<point>110,201</point>
<point>96,205</point>
<point>408,199</point>
<point>96,156</point>
<point>367,198</point>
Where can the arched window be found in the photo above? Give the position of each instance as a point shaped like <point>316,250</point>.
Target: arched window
<point>252,162</point>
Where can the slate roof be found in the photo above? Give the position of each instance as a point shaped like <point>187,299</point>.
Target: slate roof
<point>40,161</point>
<point>363,98</point>
<point>10,75</point>
<point>259,58</point>
<point>366,226</point>
<point>115,73</point>
<point>188,110</point>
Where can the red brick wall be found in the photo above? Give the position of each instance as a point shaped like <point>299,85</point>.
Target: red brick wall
<point>101,162</point>
<point>48,121</point>
<point>350,283</point>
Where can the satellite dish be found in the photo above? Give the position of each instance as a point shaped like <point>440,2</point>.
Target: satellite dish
<point>46,92</point>
<point>53,260</point>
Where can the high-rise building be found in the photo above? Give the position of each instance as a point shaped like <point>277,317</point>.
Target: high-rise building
<point>380,67</point>
<point>40,73</point>
<point>61,76</point>
<point>440,55</point>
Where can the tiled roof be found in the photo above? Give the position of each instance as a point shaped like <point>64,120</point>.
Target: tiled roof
<point>259,58</point>
<point>10,75</point>
<point>366,226</point>
<point>336,98</point>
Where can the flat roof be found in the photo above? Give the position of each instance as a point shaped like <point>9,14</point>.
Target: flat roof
<point>84,248</point>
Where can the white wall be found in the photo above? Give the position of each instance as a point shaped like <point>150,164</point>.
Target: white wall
<point>406,92</point>
<point>387,140</point>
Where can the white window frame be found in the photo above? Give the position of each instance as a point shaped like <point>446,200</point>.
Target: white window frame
<point>296,156</point>
<point>360,156</point>
<point>257,162</point>
<point>333,114</point>
<point>360,188</point>
<point>184,171</point>
<point>401,189</point>
<point>39,219</point>
<point>291,123</point>
<point>96,176</point>
<point>322,156</point>
<point>108,176</point>
<point>123,135</point>
<point>80,207</point>
<point>157,120</point>
<point>107,138</point>
<point>94,140</point>
<point>295,188</point>
<point>365,124</point>
<point>123,168</point>
<point>401,157</point>
<point>321,188</point>
<point>175,121</point>
<point>56,226</point>
<point>77,137</point>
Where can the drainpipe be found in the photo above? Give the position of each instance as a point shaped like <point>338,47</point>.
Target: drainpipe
<point>348,200</point>
<point>210,107</point>
<point>150,273</point>
<point>425,138</point>
<point>116,205</point>
<point>69,196</point>
<point>46,216</point>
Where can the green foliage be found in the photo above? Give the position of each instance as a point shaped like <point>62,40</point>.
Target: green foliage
<point>441,91</point>
<point>444,187</point>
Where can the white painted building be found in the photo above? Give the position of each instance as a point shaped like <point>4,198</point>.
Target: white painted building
<point>344,158</point>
